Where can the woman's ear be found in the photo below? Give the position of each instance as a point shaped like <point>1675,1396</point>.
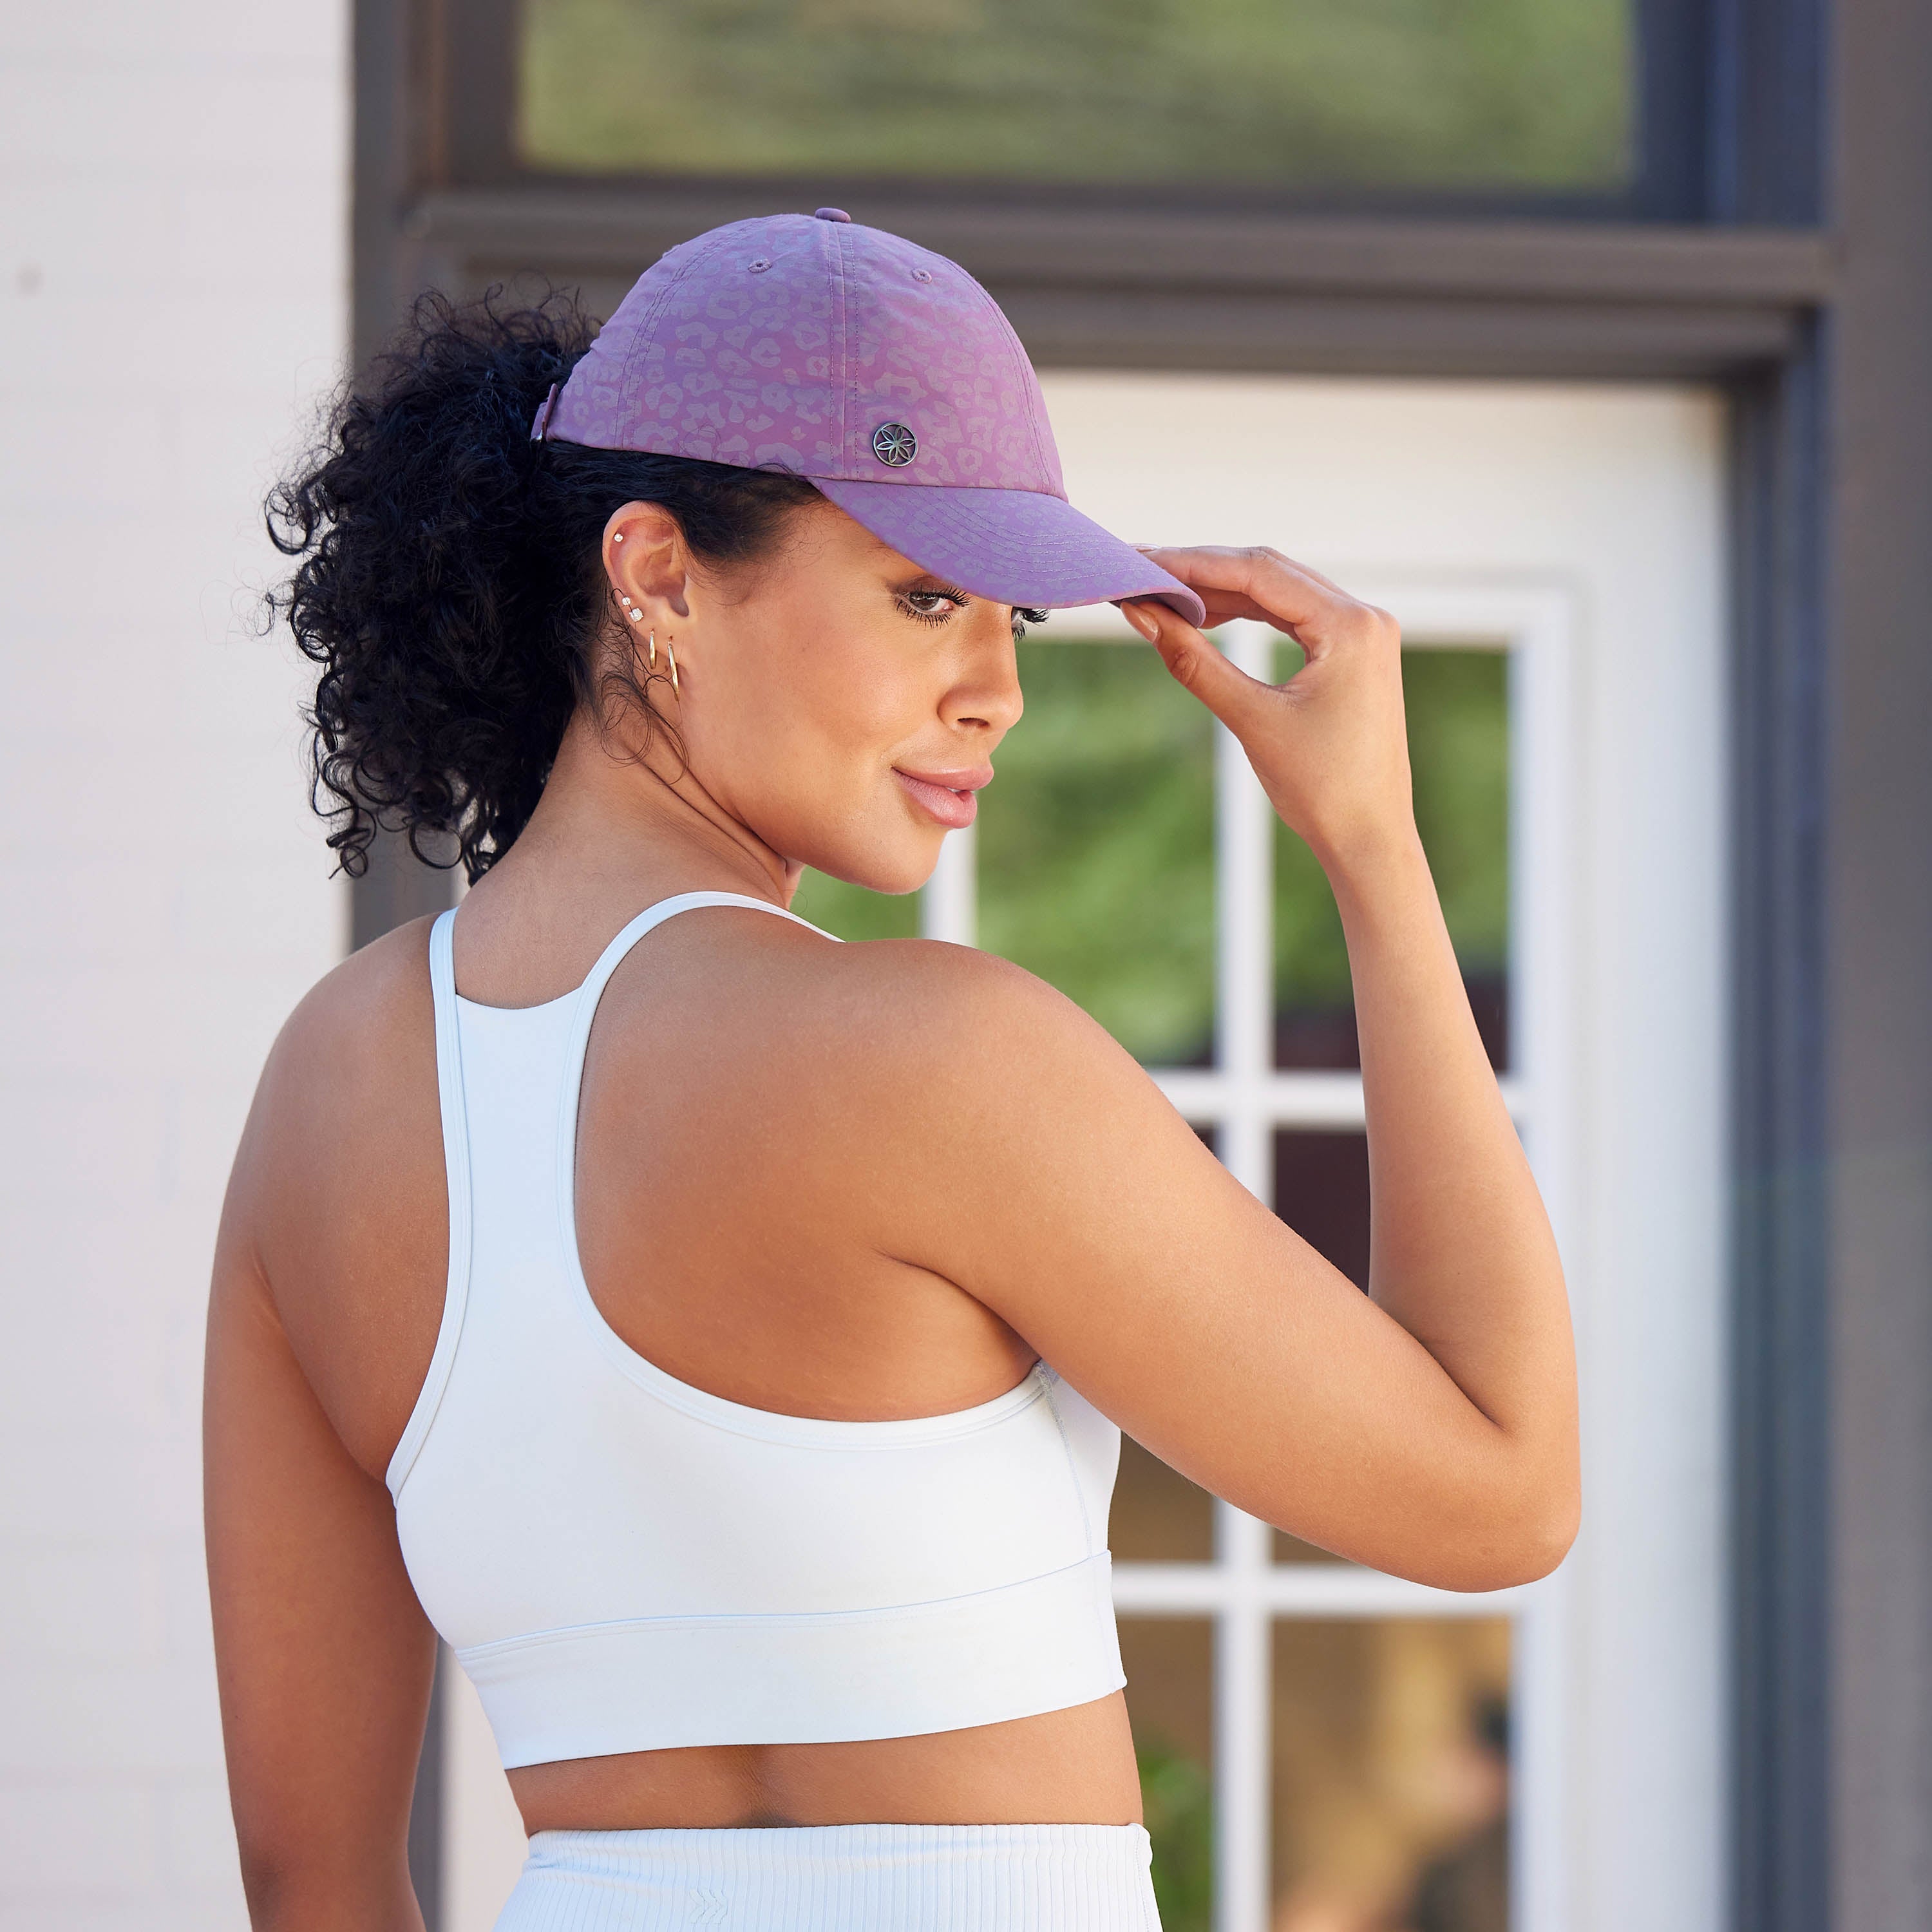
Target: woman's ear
<point>648,563</point>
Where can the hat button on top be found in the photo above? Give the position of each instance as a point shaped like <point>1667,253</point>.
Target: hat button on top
<point>830,214</point>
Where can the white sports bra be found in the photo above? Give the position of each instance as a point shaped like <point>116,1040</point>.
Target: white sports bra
<point>623,1562</point>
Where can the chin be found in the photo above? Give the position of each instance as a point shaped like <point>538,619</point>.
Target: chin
<point>873,836</point>
<point>906,876</point>
<point>896,865</point>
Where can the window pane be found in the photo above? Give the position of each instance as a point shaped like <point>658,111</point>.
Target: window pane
<point>1458,705</point>
<point>1170,1667</point>
<point>1096,845</point>
<point>1488,94</point>
<point>1159,1516</point>
<point>1459,748</point>
<point>853,913</point>
<point>1391,1775</point>
<point>1321,1191</point>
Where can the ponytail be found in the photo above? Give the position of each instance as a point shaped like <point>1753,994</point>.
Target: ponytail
<point>450,586</point>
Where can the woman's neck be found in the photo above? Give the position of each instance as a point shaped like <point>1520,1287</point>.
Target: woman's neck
<point>618,827</point>
<point>612,800</point>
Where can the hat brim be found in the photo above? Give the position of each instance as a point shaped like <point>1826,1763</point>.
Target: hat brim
<point>1013,546</point>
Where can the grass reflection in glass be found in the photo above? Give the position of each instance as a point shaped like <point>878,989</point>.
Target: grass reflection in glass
<point>1096,845</point>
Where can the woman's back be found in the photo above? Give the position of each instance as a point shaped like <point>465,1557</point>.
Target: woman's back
<point>744,1083</point>
<point>624,1560</point>
<point>728,1143</point>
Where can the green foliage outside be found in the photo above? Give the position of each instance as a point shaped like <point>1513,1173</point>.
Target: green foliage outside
<point>1458,749</point>
<point>1525,94</point>
<point>1458,706</point>
<point>1177,1800</point>
<point>1096,845</point>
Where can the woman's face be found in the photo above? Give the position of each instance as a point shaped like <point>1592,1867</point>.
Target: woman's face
<point>836,700</point>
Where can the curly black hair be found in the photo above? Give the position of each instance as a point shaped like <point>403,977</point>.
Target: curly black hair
<point>451,587</point>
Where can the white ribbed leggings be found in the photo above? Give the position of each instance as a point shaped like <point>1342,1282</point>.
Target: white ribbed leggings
<point>839,1878</point>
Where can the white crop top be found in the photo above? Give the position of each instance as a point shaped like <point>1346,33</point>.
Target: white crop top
<point>624,1562</point>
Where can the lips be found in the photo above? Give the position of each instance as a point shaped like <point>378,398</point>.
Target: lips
<point>947,797</point>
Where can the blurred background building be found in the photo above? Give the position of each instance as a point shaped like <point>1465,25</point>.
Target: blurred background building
<point>1592,336</point>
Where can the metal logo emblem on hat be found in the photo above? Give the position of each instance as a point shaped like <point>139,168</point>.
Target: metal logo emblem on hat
<point>880,370</point>
<point>893,443</point>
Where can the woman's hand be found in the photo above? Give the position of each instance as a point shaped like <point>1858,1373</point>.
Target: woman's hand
<point>1329,746</point>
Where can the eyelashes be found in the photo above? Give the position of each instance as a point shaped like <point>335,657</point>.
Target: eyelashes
<point>950,596</point>
<point>910,601</point>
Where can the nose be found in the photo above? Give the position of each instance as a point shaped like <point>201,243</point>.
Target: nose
<point>985,689</point>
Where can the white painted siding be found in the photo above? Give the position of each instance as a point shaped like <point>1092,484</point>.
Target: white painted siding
<point>172,292</point>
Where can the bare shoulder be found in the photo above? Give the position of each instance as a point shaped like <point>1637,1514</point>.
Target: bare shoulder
<point>338,1186</point>
<point>358,1009</point>
<point>927,1023</point>
<point>881,1069</point>
<point>975,1122</point>
<point>361,1025</point>
<point>350,1079</point>
<point>891,1045</point>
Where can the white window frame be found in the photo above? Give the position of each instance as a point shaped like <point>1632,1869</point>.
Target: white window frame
<point>1245,1099</point>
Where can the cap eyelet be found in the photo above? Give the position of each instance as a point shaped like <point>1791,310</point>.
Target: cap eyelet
<point>758,267</point>
<point>894,445</point>
<point>922,274</point>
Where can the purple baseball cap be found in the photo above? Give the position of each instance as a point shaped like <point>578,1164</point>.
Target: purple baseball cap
<point>883,372</point>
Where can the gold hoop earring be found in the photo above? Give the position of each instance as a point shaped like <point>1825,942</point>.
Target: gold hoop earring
<point>651,652</point>
<point>673,655</point>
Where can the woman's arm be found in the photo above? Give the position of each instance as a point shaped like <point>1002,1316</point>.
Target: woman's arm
<point>1429,1428</point>
<point>324,1656</point>
<point>1461,1251</point>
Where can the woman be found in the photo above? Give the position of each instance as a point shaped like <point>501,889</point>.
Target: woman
<point>656,1296</point>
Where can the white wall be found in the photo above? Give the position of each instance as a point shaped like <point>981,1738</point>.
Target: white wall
<point>172,290</point>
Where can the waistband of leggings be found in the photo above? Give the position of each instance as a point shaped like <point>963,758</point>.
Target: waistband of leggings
<point>735,1846</point>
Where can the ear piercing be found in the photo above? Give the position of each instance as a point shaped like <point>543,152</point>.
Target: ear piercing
<point>635,613</point>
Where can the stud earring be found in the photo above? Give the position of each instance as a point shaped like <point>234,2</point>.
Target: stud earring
<point>619,537</point>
